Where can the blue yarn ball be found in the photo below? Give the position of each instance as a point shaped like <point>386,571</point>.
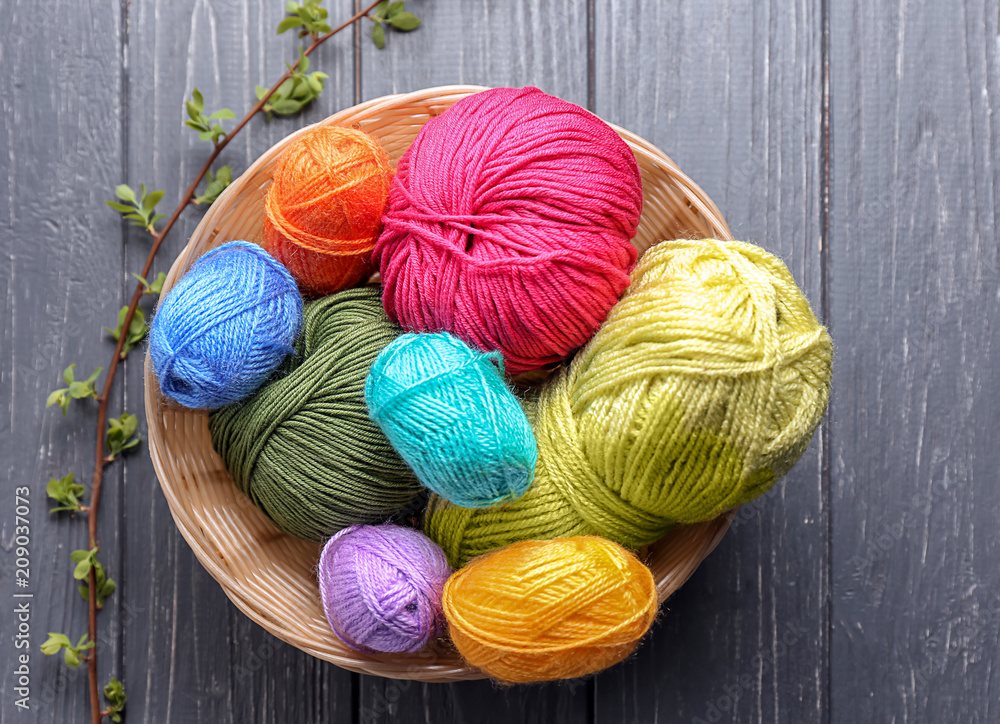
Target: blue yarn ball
<point>226,326</point>
<point>448,412</point>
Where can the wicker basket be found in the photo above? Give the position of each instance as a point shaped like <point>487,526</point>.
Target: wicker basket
<point>270,576</point>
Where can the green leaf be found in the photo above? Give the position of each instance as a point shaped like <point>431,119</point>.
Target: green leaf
<point>286,107</point>
<point>205,135</point>
<point>105,586</point>
<point>199,100</point>
<point>260,91</point>
<point>55,643</point>
<point>128,424</point>
<point>79,390</point>
<point>284,89</point>
<point>93,377</point>
<point>382,8</point>
<point>149,203</point>
<point>395,8</point>
<point>61,398</point>
<point>125,193</point>
<point>404,21</point>
<point>222,114</point>
<point>82,569</point>
<point>291,8</point>
<point>157,286</point>
<point>84,592</point>
<point>107,589</point>
<point>114,694</point>
<point>122,208</point>
<point>68,375</point>
<point>72,657</point>
<point>378,35</point>
<point>302,91</point>
<point>116,332</point>
<point>61,508</point>
<point>137,329</point>
<point>121,434</point>
<point>217,183</point>
<point>79,555</point>
<point>289,23</point>
<point>314,84</point>
<point>64,490</point>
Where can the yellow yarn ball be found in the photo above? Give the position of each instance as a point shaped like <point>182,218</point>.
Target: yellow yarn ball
<point>702,388</point>
<point>546,610</point>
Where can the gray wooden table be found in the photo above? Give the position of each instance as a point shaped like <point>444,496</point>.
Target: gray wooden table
<point>854,138</point>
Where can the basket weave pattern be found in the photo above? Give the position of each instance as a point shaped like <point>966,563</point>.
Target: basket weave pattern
<point>270,576</point>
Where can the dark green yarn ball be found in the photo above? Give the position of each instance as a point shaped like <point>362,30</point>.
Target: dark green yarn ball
<point>303,448</point>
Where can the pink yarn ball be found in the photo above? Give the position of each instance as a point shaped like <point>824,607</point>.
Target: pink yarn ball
<point>508,225</point>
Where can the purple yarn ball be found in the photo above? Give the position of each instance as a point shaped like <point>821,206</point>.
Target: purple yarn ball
<point>381,587</point>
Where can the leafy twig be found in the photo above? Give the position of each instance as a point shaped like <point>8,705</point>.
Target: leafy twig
<point>395,16</point>
<point>75,390</point>
<point>86,562</point>
<point>114,693</point>
<point>157,284</point>
<point>217,183</point>
<point>137,328</point>
<point>139,211</point>
<point>121,435</point>
<point>73,654</point>
<point>64,490</point>
<point>293,95</point>
<point>207,131</point>
<point>308,15</point>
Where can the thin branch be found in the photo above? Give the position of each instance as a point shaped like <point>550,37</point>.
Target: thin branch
<point>102,413</point>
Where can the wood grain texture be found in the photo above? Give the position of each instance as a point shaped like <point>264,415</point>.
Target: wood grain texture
<point>483,42</point>
<point>915,295</point>
<point>732,91</point>
<point>60,154</point>
<point>191,656</point>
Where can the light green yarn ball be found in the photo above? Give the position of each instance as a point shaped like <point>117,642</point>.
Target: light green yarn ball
<point>703,387</point>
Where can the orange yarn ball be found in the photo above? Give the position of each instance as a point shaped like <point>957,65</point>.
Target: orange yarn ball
<point>546,610</point>
<point>324,207</point>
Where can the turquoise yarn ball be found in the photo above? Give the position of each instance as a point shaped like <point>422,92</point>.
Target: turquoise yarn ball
<point>226,326</point>
<point>447,410</point>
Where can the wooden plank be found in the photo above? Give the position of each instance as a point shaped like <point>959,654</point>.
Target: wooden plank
<point>914,286</point>
<point>733,93</point>
<point>480,42</point>
<point>484,43</point>
<point>472,702</point>
<point>191,655</point>
<point>61,151</point>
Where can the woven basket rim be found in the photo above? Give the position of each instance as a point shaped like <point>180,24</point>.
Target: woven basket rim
<point>439,661</point>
